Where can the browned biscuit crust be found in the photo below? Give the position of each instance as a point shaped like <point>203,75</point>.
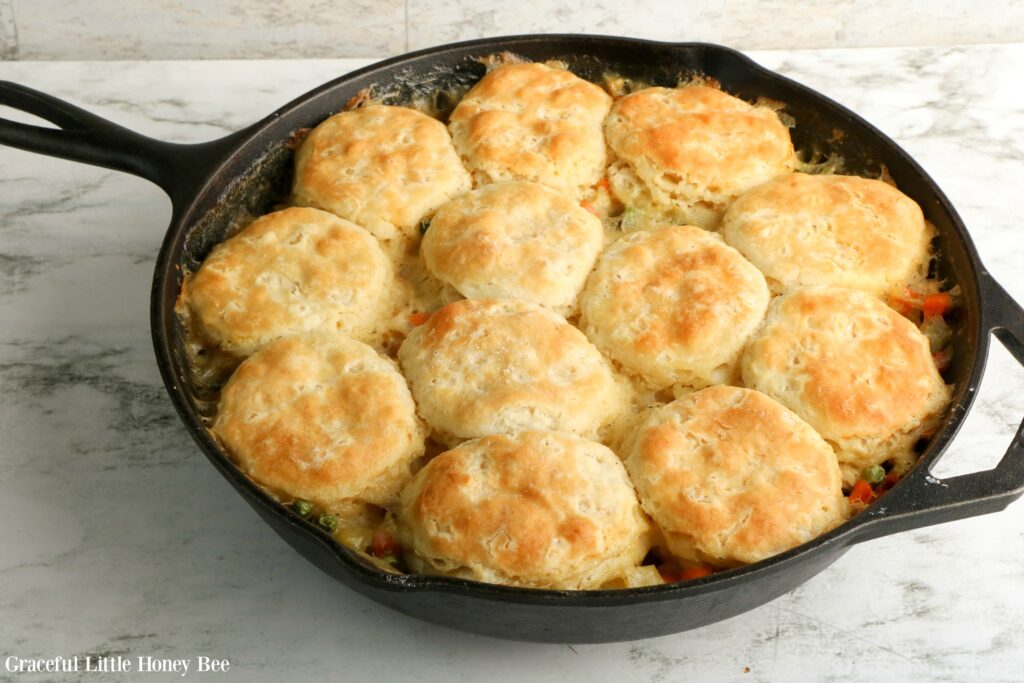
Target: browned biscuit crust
<point>501,366</point>
<point>518,240</point>
<point>682,154</point>
<point>731,476</point>
<point>541,509</point>
<point>321,417</point>
<point>289,271</point>
<point>854,369</point>
<point>844,231</point>
<point>533,122</point>
<point>384,168</point>
<point>673,306</point>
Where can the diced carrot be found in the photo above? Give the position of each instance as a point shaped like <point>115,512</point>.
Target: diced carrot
<point>590,207</point>
<point>912,293</point>
<point>931,305</point>
<point>604,184</point>
<point>417,318</point>
<point>668,575</point>
<point>383,544</point>
<point>937,304</point>
<point>901,306</point>
<point>887,483</point>
<point>696,572</point>
<point>861,492</point>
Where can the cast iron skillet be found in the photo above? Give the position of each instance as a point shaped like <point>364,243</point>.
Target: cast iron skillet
<point>214,185</point>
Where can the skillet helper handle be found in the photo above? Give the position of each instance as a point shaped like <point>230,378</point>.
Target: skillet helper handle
<point>921,499</point>
<point>88,138</point>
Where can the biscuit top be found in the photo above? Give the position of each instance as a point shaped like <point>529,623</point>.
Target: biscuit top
<point>518,240</point>
<point>533,122</point>
<point>542,509</point>
<point>698,144</point>
<point>502,366</point>
<point>322,417</point>
<point>382,167</point>
<point>732,476</point>
<point>846,363</point>
<point>673,305</point>
<point>836,230</point>
<point>289,271</point>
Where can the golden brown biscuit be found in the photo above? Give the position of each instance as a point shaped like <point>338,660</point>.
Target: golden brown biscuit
<point>516,240</point>
<point>682,154</point>
<point>290,271</point>
<point>533,122</point>
<point>854,369</point>
<point>502,366</point>
<point>844,231</point>
<point>324,418</point>
<point>731,477</point>
<point>673,306</point>
<point>541,509</point>
<point>382,167</point>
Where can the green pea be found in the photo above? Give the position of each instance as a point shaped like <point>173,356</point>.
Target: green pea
<point>630,218</point>
<point>302,508</point>
<point>874,474</point>
<point>328,522</point>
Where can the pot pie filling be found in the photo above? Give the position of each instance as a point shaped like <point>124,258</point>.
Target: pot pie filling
<point>581,338</point>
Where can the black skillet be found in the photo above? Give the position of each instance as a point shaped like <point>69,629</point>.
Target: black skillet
<point>215,185</point>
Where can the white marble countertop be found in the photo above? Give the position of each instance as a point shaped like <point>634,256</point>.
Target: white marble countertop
<point>117,537</point>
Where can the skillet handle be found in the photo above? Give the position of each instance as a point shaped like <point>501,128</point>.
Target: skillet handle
<point>179,169</point>
<point>921,499</point>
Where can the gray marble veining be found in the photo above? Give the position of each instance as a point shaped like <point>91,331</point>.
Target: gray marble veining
<point>744,24</point>
<point>224,29</point>
<point>216,29</point>
<point>117,537</point>
<point>8,32</point>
